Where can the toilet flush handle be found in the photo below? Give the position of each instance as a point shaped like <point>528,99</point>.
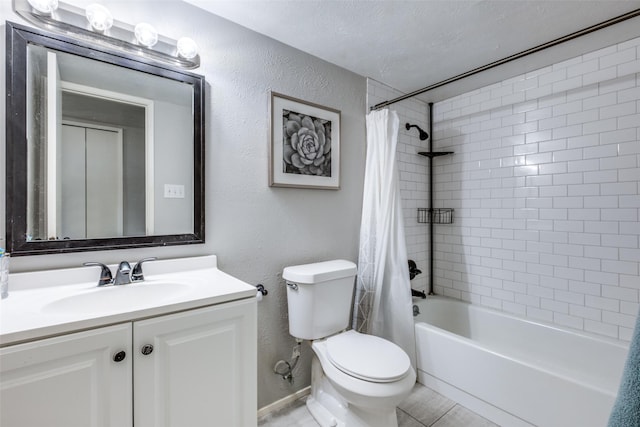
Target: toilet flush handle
<point>293,286</point>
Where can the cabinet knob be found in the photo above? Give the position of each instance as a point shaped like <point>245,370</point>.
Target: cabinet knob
<point>146,349</point>
<point>119,356</point>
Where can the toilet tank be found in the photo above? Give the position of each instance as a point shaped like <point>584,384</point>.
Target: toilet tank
<point>319,297</point>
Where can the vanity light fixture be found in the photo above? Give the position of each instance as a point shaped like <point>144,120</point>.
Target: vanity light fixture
<point>44,6</point>
<point>142,40</point>
<point>187,48</point>
<point>99,17</point>
<point>146,35</point>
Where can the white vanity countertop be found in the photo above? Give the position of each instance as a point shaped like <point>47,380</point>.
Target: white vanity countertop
<point>48,303</point>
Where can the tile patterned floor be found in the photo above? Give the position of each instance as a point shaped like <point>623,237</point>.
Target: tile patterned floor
<point>423,408</point>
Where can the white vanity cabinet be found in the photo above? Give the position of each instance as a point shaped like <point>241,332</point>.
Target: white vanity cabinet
<point>67,381</point>
<point>201,370</point>
<point>192,368</point>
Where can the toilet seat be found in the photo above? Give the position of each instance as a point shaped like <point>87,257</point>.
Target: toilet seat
<point>367,357</point>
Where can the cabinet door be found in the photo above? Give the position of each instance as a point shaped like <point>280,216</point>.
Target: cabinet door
<point>202,369</point>
<point>66,381</point>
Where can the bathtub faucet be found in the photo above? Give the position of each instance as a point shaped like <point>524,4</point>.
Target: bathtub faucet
<point>420,294</point>
<point>413,272</point>
<point>413,269</point>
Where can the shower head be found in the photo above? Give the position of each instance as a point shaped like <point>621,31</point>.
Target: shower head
<point>423,134</point>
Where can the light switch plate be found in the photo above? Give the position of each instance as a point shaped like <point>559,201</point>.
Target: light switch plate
<point>173,191</point>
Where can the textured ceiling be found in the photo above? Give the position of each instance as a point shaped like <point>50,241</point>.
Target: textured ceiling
<point>412,44</point>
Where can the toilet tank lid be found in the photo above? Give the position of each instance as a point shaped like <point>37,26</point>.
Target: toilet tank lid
<point>319,271</point>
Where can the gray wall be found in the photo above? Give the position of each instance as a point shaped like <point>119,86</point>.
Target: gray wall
<point>172,124</point>
<point>255,230</point>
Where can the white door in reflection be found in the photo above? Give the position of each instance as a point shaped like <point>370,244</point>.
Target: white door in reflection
<point>91,174</point>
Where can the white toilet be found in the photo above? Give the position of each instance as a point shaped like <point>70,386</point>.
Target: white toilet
<point>357,380</point>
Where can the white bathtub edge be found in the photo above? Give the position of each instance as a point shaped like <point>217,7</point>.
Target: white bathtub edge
<point>480,407</point>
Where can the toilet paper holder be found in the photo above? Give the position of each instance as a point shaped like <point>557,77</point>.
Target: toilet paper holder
<point>261,291</point>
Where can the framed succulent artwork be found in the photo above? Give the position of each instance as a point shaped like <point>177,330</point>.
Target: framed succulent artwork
<point>305,144</point>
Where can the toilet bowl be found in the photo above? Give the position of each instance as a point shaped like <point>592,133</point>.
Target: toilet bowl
<point>357,380</point>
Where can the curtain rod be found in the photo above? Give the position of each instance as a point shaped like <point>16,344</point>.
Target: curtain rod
<point>513,57</point>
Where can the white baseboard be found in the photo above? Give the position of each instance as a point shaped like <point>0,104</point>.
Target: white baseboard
<point>285,401</point>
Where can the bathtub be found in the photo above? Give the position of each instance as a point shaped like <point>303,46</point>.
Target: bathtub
<point>513,371</point>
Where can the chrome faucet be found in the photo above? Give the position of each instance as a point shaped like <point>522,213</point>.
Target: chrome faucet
<point>136,274</point>
<point>123,274</point>
<point>105,274</point>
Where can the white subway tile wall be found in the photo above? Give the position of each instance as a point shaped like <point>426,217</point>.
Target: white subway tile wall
<point>545,183</point>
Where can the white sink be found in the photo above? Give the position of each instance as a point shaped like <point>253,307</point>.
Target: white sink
<point>107,299</point>
<point>53,302</point>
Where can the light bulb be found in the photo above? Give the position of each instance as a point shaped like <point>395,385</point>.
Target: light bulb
<point>99,17</point>
<point>187,48</point>
<point>146,34</point>
<point>44,6</point>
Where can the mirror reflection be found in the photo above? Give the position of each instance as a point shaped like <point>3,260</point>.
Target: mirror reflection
<point>104,149</point>
<point>95,132</point>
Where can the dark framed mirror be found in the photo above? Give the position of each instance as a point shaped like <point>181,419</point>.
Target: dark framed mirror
<point>105,150</point>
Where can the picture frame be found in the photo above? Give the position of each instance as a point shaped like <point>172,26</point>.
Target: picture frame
<point>304,144</point>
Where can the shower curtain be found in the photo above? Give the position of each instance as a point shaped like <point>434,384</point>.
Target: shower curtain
<point>383,304</point>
